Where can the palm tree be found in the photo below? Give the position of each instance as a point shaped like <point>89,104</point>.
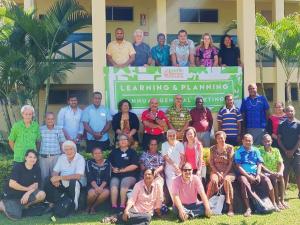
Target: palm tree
<point>44,37</point>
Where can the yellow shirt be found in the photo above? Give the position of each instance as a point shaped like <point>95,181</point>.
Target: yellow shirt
<point>120,52</point>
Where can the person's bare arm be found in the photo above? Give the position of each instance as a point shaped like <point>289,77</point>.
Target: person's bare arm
<point>149,124</point>
<point>174,60</point>
<point>129,61</point>
<point>106,127</point>
<point>11,145</point>
<point>110,60</point>
<point>219,125</point>
<point>192,60</point>
<point>18,187</point>
<point>216,61</point>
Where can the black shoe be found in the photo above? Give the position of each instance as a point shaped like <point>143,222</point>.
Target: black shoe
<point>114,210</point>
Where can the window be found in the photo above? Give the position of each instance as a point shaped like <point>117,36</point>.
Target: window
<point>61,96</point>
<point>199,15</point>
<point>119,13</point>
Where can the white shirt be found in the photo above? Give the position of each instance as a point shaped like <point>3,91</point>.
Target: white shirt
<point>174,152</point>
<point>65,168</point>
<point>70,121</point>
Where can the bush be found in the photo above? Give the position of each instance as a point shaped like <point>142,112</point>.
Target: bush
<point>5,168</point>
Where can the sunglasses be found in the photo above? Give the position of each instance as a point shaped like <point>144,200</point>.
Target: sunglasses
<point>186,170</point>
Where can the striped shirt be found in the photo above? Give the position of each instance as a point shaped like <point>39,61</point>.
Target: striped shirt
<point>230,119</point>
<point>51,140</point>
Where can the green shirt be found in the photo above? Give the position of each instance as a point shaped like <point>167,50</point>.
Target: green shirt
<point>178,118</point>
<point>271,159</point>
<point>24,138</point>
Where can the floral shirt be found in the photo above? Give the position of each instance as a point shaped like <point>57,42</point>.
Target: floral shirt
<point>206,56</point>
<point>182,51</point>
<point>271,159</point>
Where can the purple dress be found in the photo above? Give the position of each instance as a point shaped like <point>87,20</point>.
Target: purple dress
<point>206,56</point>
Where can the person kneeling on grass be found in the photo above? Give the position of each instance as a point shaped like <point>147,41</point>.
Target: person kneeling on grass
<point>98,172</point>
<point>22,189</point>
<point>273,168</point>
<point>185,189</point>
<point>146,198</point>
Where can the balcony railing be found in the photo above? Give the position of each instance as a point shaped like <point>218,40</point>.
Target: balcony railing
<point>78,47</point>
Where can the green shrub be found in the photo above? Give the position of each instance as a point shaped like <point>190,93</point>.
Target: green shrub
<point>5,168</point>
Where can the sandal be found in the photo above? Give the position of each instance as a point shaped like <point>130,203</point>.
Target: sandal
<point>248,213</point>
<point>230,213</point>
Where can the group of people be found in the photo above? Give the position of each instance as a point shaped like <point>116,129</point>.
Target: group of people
<point>182,51</point>
<point>47,164</point>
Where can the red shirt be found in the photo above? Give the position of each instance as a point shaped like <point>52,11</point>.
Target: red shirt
<point>147,115</point>
<point>200,119</point>
<point>276,120</point>
<point>190,156</point>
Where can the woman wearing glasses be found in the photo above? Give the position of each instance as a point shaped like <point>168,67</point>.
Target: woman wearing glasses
<point>124,164</point>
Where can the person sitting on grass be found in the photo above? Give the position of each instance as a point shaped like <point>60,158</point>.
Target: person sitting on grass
<point>66,176</point>
<point>98,172</point>
<point>273,167</point>
<point>185,189</point>
<point>22,189</point>
<point>146,198</point>
<point>249,163</point>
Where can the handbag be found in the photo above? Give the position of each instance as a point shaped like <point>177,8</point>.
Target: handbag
<point>262,206</point>
<point>216,202</point>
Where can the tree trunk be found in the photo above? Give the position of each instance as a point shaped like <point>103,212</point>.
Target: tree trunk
<point>288,90</point>
<point>6,115</point>
<point>298,84</point>
<point>46,97</point>
<point>11,109</point>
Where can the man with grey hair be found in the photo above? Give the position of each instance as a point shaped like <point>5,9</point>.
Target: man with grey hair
<point>143,51</point>
<point>66,176</point>
<point>50,149</point>
<point>24,134</point>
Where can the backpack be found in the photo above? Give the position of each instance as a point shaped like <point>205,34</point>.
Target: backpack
<point>63,207</point>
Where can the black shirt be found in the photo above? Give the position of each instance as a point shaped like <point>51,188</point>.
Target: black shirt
<point>290,133</point>
<point>24,177</point>
<point>230,56</point>
<point>97,173</point>
<point>120,159</point>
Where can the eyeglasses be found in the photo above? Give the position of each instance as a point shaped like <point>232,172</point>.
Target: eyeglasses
<point>186,170</point>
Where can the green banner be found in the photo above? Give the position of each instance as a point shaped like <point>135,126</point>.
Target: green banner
<point>139,84</point>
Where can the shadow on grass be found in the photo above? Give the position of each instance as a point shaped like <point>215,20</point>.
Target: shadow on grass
<point>242,223</point>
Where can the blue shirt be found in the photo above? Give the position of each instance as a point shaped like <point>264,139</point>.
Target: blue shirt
<point>142,54</point>
<point>255,111</point>
<point>51,139</point>
<point>248,159</point>
<point>96,119</point>
<point>161,55</point>
<point>70,121</point>
<point>230,119</point>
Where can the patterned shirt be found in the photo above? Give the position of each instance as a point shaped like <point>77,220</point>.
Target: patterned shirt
<point>24,138</point>
<point>147,117</point>
<point>151,161</point>
<point>271,159</point>
<point>161,55</point>
<point>96,119</point>
<point>182,51</point>
<point>206,56</point>
<point>248,159</point>
<point>97,173</point>
<point>178,118</point>
<point>51,140</point>
<point>230,119</point>
<point>255,111</point>
<point>70,121</point>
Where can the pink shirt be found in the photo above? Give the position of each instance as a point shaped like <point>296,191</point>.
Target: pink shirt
<point>187,192</point>
<point>144,202</point>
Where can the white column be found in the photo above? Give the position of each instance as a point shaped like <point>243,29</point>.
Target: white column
<point>29,5</point>
<point>246,39</point>
<point>99,44</point>
<point>161,13</point>
<point>279,91</point>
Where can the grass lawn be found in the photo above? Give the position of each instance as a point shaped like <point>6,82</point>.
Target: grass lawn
<point>286,217</point>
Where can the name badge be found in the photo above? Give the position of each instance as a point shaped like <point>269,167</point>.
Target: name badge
<point>181,115</point>
<point>124,155</point>
<point>102,114</point>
